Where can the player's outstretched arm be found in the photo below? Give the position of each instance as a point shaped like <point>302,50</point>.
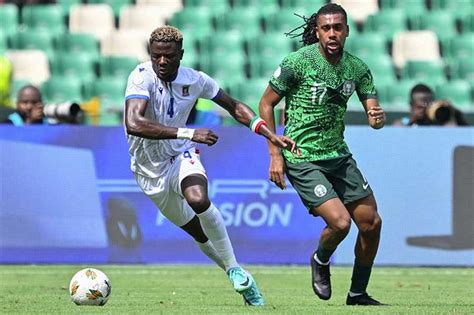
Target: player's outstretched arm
<point>138,125</point>
<point>277,166</point>
<point>246,116</point>
<point>375,113</point>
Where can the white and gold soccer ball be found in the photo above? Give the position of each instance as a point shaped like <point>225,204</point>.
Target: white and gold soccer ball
<point>90,287</point>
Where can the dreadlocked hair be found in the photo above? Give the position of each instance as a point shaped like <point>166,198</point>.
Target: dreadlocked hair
<point>308,35</point>
<point>166,34</point>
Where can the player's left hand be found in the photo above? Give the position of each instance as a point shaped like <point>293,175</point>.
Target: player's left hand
<point>376,117</point>
<point>286,143</point>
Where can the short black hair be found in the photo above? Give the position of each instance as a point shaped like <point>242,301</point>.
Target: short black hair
<point>29,87</point>
<point>309,34</point>
<point>421,88</point>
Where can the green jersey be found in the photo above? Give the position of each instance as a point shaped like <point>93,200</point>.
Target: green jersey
<point>316,94</point>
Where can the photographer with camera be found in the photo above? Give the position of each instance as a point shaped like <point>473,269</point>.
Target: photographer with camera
<point>30,110</point>
<point>443,113</point>
<point>421,96</point>
<point>29,107</point>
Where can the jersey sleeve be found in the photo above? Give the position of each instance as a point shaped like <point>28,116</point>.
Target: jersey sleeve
<point>139,84</point>
<point>365,87</point>
<point>285,76</point>
<point>209,87</point>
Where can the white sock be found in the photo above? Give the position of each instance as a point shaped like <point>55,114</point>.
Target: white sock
<point>210,251</point>
<point>319,261</point>
<point>352,294</point>
<point>213,225</point>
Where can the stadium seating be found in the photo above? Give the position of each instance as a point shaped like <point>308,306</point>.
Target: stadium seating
<point>117,66</point>
<point>358,12</point>
<point>30,65</point>
<point>80,66</point>
<point>126,43</point>
<point>168,6</point>
<point>10,18</point>
<point>194,20</point>
<point>44,17</point>
<point>458,92</point>
<point>428,72</point>
<point>460,47</point>
<point>34,39</point>
<point>386,22</point>
<point>410,7</point>
<point>242,42</point>
<point>217,6</point>
<point>440,22</point>
<point>66,5</point>
<point>398,95</point>
<point>116,5</point>
<point>416,45</point>
<point>60,89</point>
<point>79,44</point>
<point>312,4</point>
<point>95,19</point>
<point>464,69</point>
<point>467,23</point>
<point>239,19</point>
<point>367,45</point>
<point>143,18</point>
<point>3,42</point>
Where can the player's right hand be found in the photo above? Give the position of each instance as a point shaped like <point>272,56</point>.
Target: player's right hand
<point>277,170</point>
<point>204,135</point>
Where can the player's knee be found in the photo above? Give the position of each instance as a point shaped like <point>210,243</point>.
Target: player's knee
<point>373,227</point>
<point>342,226</point>
<point>198,203</point>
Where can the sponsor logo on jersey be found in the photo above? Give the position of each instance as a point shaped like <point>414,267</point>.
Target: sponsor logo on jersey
<point>348,87</point>
<point>186,90</point>
<point>320,190</point>
<point>277,72</point>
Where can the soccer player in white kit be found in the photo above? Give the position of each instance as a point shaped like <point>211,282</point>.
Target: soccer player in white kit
<point>159,97</point>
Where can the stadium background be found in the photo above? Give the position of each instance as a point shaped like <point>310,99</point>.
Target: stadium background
<point>83,51</point>
<point>67,195</point>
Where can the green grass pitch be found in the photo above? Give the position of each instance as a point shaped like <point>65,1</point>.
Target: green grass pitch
<point>204,289</point>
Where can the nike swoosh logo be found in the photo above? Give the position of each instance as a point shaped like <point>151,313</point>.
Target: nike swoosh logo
<point>365,186</point>
<point>246,283</point>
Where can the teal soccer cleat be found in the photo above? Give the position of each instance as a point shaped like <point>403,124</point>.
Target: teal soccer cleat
<point>252,295</point>
<point>240,280</point>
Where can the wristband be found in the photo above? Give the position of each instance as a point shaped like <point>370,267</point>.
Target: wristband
<point>256,123</point>
<point>185,133</point>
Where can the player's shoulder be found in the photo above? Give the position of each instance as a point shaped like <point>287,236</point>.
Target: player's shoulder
<point>355,61</point>
<point>300,54</point>
<point>189,76</point>
<point>143,69</point>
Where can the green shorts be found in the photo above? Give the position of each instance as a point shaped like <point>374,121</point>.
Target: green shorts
<point>318,181</point>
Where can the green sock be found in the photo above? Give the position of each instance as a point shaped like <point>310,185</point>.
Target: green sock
<point>360,277</point>
<point>324,254</point>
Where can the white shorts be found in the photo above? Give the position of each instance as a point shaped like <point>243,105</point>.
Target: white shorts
<point>166,192</point>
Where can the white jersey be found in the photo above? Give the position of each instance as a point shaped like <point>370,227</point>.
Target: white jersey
<point>168,104</point>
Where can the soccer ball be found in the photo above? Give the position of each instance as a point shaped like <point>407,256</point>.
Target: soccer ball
<point>90,287</point>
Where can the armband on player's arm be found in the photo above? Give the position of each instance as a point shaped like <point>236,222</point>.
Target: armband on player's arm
<point>256,123</point>
<point>185,133</point>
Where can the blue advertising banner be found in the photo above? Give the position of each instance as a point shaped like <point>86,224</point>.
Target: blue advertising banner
<point>68,196</point>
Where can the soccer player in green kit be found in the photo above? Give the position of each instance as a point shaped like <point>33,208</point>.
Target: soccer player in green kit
<point>317,81</point>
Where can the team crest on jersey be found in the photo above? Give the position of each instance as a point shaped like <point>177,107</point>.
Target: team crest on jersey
<point>186,90</point>
<point>320,190</point>
<point>348,87</point>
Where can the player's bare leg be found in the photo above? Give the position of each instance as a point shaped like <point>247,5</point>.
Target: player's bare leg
<point>338,223</point>
<point>365,215</point>
<point>194,188</point>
